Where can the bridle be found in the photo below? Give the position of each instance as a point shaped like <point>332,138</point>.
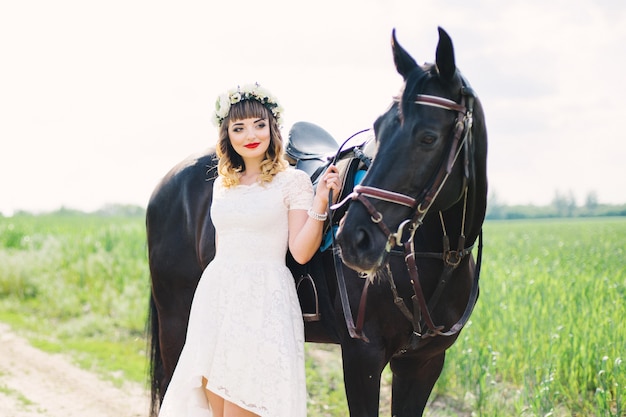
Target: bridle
<point>420,206</point>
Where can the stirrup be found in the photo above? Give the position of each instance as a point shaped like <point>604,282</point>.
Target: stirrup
<point>305,296</point>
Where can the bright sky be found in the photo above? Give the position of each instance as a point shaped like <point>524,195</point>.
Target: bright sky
<point>99,99</point>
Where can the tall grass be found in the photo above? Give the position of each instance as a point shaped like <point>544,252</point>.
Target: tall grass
<point>547,337</point>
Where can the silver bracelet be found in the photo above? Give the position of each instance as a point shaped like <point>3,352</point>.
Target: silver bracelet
<point>320,217</point>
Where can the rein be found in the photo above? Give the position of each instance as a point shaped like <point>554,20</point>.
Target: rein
<point>421,205</point>
<point>355,332</point>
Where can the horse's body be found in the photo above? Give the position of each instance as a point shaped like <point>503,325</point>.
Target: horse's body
<point>413,142</point>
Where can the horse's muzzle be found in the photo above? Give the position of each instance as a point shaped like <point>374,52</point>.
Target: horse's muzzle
<point>362,247</point>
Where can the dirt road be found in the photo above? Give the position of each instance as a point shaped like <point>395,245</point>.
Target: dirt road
<point>34,383</point>
<point>38,384</point>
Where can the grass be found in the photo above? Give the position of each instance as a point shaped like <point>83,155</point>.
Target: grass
<point>78,285</point>
<point>325,389</point>
<point>546,338</point>
<point>17,395</point>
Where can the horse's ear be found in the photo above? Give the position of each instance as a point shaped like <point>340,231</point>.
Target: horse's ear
<point>445,56</point>
<point>404,62</point>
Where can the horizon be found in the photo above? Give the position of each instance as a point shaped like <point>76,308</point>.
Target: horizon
<point>99,101</point>
<point>498,205</point>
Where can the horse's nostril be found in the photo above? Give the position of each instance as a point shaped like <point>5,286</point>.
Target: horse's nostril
<point>362,239</point>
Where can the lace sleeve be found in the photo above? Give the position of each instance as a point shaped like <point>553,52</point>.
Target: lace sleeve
<point>299,190</point>
<point>218,187</point>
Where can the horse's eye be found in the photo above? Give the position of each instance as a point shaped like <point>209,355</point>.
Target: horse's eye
<point>428,139</point>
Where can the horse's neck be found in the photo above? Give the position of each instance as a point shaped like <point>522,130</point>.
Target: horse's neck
<point>430,235</point>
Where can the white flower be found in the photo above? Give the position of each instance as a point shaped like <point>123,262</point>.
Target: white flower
<point>277,110</point>
<point>222,107</point>
<point>247,92</point>
<point>235,97</point>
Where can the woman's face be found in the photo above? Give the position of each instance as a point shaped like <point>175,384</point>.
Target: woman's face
<point>250,137</point>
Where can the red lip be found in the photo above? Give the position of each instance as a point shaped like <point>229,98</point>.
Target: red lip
<point>252,145</point>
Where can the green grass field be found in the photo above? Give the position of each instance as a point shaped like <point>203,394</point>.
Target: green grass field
<point>547,337</point>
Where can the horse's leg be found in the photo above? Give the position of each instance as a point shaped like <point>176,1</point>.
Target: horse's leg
<point>362,368</point>
<point>413,381</point>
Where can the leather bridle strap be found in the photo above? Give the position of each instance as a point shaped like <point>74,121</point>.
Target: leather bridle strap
<point>422,204</point>
<point>440,102</point>
<point>355,332</point>
<point>385,195</point>
<point>409,259</point>
<point>463,124</point>
<point>417,287</point>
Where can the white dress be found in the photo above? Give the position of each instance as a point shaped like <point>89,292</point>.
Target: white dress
<point>245,332</point>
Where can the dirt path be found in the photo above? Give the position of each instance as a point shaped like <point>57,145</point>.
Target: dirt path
<point>38,384</point>
<point>35,383</point>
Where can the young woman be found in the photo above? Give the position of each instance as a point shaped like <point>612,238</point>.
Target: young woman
<point>244,351</point>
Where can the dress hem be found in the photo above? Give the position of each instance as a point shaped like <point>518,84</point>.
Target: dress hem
<point>223,393</point>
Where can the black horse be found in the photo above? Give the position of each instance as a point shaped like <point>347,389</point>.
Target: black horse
<point>411,288</point>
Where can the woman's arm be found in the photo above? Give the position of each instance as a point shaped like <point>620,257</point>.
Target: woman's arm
<point>305,232</point>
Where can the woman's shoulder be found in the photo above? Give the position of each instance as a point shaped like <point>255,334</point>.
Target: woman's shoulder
<point>296,187</point>
<point>218,181</point>
<point>293,175</point>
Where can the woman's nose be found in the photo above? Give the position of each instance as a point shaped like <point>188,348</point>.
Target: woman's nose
<point>250,132</point>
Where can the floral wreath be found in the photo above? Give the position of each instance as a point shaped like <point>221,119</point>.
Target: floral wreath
<point>247,92</point>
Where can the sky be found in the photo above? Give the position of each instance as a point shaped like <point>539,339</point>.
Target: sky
<point>99,99</point>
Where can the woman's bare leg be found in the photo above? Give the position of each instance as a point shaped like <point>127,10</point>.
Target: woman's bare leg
<point>215,401</point>
<point>233,410</point>
<point>222,408</point>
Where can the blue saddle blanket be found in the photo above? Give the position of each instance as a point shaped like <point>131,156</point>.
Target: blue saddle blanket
<point>327,241</point>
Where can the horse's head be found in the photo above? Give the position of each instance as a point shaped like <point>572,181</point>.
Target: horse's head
<point>424,162</point>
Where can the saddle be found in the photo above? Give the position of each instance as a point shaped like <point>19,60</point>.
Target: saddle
<point>311,148</point>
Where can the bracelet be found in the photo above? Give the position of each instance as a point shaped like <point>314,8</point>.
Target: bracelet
<point>320,217</point>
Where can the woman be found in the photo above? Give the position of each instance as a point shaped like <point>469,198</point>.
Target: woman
<point>244,352</point>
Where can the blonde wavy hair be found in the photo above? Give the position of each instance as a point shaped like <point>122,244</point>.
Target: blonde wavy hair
<point>230,164</point>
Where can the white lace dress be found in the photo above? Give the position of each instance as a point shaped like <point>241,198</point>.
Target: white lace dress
<point>245,333</point>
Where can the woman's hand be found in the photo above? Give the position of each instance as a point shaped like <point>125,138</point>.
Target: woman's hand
<point>329,181</point>
<point>305,230</point>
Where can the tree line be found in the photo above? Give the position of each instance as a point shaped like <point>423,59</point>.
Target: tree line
<point>562,205</point>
